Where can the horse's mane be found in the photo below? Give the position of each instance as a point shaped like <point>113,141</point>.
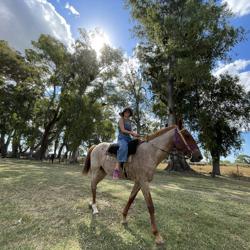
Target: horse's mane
<point>158,133</point>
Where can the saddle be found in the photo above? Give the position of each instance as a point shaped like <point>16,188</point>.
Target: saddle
<point>132,146</point>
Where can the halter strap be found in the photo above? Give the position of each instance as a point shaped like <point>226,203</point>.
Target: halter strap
<point>183,139</point>
<point>177,131</point>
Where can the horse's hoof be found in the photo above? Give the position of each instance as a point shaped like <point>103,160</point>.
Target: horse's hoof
<point>124,222</point>
<point>159,240</point>
<point>95,212</point>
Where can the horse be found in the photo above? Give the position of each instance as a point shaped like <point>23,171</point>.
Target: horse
<point>141,167</point>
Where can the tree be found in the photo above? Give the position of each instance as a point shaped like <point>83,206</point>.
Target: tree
<point>84,121</point>
<point>129,89</point>
<point>181,43</point>
<point>52,59</point>
<point>82,103</point>
<point>68,80</point>
<point>221,112</point>
<point>17,97</point>
<point>49,94</point>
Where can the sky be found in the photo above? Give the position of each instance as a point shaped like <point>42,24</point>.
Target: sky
<point>24,20</point>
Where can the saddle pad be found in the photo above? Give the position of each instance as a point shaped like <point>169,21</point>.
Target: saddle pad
<point>132,146</point>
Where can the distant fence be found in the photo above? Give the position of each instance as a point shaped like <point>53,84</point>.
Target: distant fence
<point>221,164</point>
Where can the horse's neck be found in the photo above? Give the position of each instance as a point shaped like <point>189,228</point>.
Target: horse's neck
<point>162,145</point>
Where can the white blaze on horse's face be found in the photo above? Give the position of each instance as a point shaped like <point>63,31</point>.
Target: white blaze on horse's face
<point>189,146</point>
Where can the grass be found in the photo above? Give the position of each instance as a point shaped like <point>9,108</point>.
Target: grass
<point>44,206</point>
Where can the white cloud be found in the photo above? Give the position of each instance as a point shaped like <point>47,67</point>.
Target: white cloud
<point>23,21</point>
<point>238,7</point>
<point>245,80</point>
<point>236,69</point>
<point>72,9</point>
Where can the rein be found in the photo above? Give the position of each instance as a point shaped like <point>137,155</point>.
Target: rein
<point>177,137</point>
<point>158,147</point>
<point>146,140</point>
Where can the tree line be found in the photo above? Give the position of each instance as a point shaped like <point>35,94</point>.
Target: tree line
<point>59,100</point>
<point>53,99</point>
<point>181,44</point>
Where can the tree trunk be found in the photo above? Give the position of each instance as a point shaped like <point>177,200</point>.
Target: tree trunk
<point>137,116</point>
<point>14,153</point>
<point>15,145</point>
<point>60,151</point>
<point>30,154</point>
<point>216,163</point>
<point>40,154</point>
<point>171,117</point>
<point>138,127</point>
<point>74,155</point>
<point>66,156</point>
<point>4,145</point>
<point>56,146</point>
<point>177,162</point>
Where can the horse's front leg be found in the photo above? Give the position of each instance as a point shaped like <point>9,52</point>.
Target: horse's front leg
<point>150,205</point>
<point>132,196</point>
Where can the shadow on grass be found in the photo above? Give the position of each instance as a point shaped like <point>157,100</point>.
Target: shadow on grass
<point>200,181</point>
<point>181,201</point>
<point>97,236</point>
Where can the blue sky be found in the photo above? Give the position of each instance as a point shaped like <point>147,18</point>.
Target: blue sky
<point>24,20</point>
<point>110,15</point>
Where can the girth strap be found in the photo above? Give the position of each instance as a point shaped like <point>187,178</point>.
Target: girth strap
<point>124,170</point>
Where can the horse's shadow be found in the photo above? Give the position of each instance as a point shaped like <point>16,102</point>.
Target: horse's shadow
<point>98,235</point>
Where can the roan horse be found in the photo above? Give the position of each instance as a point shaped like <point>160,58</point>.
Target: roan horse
<point>142,166</point>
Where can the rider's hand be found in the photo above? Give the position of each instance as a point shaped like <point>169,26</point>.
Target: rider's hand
<point>135,134</point>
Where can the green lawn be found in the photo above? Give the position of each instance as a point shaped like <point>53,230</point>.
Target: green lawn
<point>44,206</point>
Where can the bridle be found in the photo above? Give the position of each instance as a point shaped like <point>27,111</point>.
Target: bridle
<point>176,140</point>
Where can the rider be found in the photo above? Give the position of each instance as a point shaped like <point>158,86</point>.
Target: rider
<point>125,130</point>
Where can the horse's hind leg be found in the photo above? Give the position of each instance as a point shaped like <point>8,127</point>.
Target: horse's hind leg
<point>132,196</point>
<point>97,176</point>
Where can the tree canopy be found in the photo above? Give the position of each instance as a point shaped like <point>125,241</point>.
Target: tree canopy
<point>181,43</point>
<point>55,99</point>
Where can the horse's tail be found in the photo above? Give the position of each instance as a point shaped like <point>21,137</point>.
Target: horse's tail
<point>86,167</point>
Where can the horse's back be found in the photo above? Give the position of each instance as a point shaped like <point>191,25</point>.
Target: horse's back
<point>101,147</point>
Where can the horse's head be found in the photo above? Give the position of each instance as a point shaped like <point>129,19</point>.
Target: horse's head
<point>185,142</point>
